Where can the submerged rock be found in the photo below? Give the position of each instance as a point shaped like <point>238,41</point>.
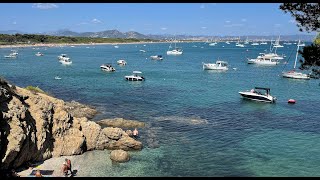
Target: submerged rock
<point>119,156</point>
<point>120,122</point>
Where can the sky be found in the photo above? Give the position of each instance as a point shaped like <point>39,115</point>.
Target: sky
<point>213,19</point>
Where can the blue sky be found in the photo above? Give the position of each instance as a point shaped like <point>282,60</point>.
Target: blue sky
<point>150,18</point>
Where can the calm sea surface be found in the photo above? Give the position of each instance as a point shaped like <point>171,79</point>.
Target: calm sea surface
<point>197,123</point>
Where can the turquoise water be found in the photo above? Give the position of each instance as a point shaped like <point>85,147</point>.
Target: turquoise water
<point>198,125</point>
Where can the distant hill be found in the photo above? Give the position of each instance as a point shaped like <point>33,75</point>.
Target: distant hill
<point>132,34</point>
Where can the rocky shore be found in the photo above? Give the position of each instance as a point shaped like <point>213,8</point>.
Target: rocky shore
<point>36,127</point>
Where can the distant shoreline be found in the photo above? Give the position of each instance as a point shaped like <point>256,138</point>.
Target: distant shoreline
<point>77,44</point>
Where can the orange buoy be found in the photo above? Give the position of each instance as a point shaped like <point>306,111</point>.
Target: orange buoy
<point>291,101</point>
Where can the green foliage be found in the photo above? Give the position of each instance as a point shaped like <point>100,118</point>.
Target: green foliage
<point>311,58</point>
<point>307,15</point>
<point>6,39</point>
<point>35,89</point>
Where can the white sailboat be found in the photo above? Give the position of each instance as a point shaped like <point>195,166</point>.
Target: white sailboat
<point>175,51</point>
<point>277,43</point>
<point>293,73</point>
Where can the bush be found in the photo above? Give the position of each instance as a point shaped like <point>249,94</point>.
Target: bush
<point>35,89</point>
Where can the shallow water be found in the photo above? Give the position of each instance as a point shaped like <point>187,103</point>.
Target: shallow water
<point>198,125</point>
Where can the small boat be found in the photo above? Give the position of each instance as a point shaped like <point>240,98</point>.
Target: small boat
<point>141,50</point>
<point>121,62</point>
<point>156,57</point>
<point>63,57</point>
<point>39,54</point>
<point>66,61</point>
<point>293,73</point>
<point>107,67</point>
<point>256,95</point>
<point>10,56</point>
<point>176,50</point>
<point>255,44</point>
<point>57,77</point>
<point>116,46</point>
<point>219,65</point>
<point>135,76</point>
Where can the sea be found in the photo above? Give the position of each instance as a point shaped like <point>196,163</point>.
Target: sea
<point>197,124</point>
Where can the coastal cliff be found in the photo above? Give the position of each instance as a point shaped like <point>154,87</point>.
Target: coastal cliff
<point>36,127</point>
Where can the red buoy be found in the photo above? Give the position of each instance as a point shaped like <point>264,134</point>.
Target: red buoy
<point>291,101</point>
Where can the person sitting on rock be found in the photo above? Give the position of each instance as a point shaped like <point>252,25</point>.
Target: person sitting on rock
<point>68,161</point>
<point>38,173</point>
<point>135,132</point>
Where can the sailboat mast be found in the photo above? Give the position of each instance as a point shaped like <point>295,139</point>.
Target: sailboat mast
<point>295,62</point>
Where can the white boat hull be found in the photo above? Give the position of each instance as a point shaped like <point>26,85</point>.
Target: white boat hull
<point>258,97</point>
<point>262,62</point>
<point>213,67</point>
<point>295,75</point>
<point>174,52</point>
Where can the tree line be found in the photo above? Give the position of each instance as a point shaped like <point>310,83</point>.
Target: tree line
<point>6,39</point>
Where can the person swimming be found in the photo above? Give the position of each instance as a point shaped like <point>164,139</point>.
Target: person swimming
<point>135,132</point>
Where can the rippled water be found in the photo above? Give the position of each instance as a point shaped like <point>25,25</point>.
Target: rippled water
<point>198,125</point>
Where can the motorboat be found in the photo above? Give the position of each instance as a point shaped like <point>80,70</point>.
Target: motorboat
<point>135,76</point>
<point>116,46</point>
<point>213,44</point>
<point>39,54</point>
<point>107,67</point>
<point>63,57</point>
<point>65,61</point>
<point>264,61</point>
<point>219,65</point>
<point>156,57</point>
<point>263,43</point>
<point>11,55</point>
<point>141,50</point>
<point>255,44</point>
<point>121,62</point>
<point>293,73</point>
<point>258,94</point>
<point>239,45</point>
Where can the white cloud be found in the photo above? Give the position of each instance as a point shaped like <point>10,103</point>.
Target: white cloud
<point>44,5</point>
<point>82,23</point>
<point>233,25</point>
<point>243,20</point>
<point>96,21</point>
<point>203,27</point>
<point>228,21</point>
<point>164,28</point>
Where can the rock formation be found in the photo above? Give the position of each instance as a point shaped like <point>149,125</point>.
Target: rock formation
<point>119,156</point>
<point>35,127</point>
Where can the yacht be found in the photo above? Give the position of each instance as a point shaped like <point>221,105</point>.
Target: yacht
<point>263,43</point>
<point>213,44</point>
<point>257,94</point>
<point>219,65</point>
<point>293,73</point>
<point>156,57</point>
<point>39,54</point>
<point>175,51</point>
<point>121,62</point>
<point>264,61</point>
<point>135,76</point>
<point>107,67</point>
<point>277,43</point>
<point>255,44</point>
<point>65,61</point>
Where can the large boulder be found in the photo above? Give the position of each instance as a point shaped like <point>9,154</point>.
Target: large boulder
<point>119,156</point>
